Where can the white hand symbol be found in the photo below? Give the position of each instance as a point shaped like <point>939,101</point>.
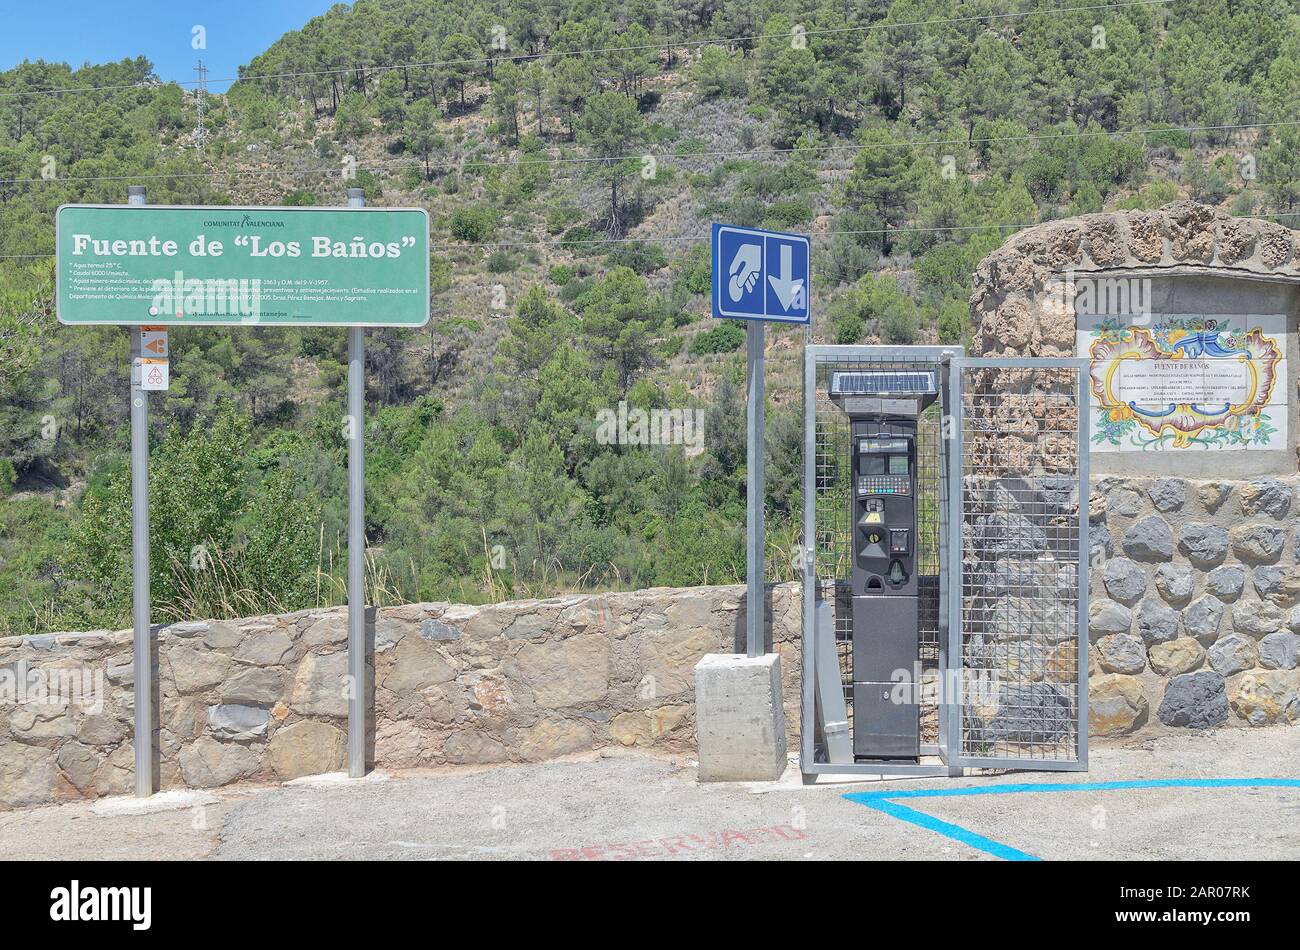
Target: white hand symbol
<point>744,270</point>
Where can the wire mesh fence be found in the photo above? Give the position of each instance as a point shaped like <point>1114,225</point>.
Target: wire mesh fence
<point>999,564</point>
<point>1021,541</point>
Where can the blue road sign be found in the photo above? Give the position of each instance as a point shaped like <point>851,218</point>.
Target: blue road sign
<point>760,275</point>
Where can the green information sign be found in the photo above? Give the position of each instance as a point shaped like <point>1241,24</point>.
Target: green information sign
<point>169,265</point>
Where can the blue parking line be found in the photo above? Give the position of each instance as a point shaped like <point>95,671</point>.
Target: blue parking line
<point>885,802</point>
<point>947,829</point>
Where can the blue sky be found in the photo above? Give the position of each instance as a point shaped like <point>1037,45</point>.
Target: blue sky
<point>80,31</point>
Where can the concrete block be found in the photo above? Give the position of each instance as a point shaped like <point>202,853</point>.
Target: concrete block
<point>739,718</point>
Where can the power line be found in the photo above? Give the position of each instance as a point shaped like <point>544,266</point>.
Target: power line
<point>694,239</point>
<point>657,239</point>
<point>666,44</point>
<point>795,150</point>
<point>697,238</point>
<point>689,239</point>
<point>717,153</point>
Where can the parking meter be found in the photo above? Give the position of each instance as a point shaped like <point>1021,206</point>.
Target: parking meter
<point>884,408</point>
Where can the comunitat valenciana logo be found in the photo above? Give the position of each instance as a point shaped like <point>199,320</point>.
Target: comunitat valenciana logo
<point>77,902</point>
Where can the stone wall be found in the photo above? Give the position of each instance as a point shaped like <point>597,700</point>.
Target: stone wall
<point>1193,614</point>
<point>266,698</point>
<point>1195,565</point>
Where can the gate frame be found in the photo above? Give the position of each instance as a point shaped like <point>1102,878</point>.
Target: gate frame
<point>956,461</point>
<point>953,361</point>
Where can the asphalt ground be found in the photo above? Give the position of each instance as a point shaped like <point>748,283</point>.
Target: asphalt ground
<point>630,806</point>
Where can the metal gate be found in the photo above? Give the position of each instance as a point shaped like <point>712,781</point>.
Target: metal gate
<point>1018,676</point>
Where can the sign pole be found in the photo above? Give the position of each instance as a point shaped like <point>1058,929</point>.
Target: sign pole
<point>138,267</point>
<point>356,538</point>
<point>142,646</point>
<point>758,275</point>
<point>754,413</point>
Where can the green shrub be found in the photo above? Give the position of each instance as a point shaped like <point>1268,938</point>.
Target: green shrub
<point>412,178</point>
<point>849,329</point>
<point>560,216</point>
<point>500,262</point>
<point>473,223</point>
<point>639,256</point>
<point>1156,195</point>
<point>788,214</point>
<point>574,289</point>
<point>696,271</point>
<point>1045,174</point>
<point>1109,160</point>
<point>718,74</point>
<point>1087,199</point>
<point>369,185</point>
<point>668,347</point>
<point>846,260</point>
<point>726,337</point>
<point>1171,138</point>
<point>899,326</point>
<point>581,240</point>
<point>953,317</point>
<point>352,118</point>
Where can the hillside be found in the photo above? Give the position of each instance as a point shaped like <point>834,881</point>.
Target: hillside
<point>572,155</point>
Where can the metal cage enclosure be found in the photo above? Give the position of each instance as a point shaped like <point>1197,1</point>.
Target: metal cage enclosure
<point>1001,504</point>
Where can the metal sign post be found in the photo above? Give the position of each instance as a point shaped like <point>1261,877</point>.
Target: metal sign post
<point>758,276</point>
<point>229,266</point>
<point>356,538</point>
<point>755,338</point>
<point>142,645</point>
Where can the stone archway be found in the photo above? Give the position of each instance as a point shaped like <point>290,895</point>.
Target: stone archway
<point>1015,313</point>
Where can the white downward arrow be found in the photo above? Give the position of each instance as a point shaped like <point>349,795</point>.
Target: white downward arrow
<point>786,289</point>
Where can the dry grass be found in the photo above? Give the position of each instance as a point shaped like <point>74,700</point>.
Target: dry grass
<point>224,587</point>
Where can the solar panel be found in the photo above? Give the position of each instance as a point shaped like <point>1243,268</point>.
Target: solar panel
<point>884,383</point>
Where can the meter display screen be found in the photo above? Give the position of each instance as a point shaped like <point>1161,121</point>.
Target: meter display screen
<point>873,465</point>
<point>898,465</point>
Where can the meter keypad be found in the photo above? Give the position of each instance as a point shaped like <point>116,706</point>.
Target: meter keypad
<point>884,485</point>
